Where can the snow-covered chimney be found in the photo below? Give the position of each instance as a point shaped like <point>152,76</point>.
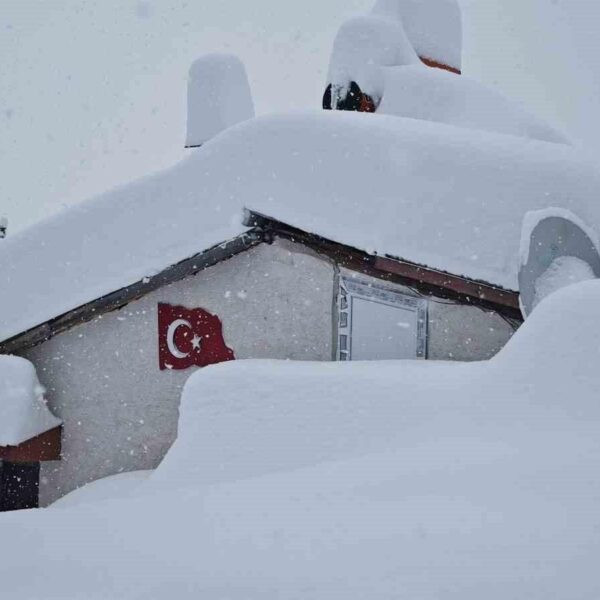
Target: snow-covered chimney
<point>434,28</point>
<point>219,96</point>
<point>3,227</point>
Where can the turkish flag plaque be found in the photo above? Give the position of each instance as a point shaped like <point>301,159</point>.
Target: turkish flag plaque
<point>190,337</point>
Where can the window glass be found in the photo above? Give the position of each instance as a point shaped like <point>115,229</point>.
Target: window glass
<point>382,332</point>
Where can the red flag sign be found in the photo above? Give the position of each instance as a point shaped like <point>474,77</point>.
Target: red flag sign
<point>190,337</point>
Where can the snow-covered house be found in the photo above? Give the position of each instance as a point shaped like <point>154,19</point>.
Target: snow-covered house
<point>319,236</point>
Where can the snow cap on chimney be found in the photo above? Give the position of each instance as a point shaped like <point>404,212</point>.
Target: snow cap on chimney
<point>219,96</point>
<point>434,28</point>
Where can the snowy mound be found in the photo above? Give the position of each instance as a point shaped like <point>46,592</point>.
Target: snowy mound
<point>433,27</point>
<point>563,271</point>
<point>396,33</point>
<point>23,411</point>
<point>109,488</point>
<point>356,480</point>
<point>435,95</point>
<point>558,346</point>
<point>362,46</point>
<point>445,197</point>
<point>333,411</point>
<point>219,96</point>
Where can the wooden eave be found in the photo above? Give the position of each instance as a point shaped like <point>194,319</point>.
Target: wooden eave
<point>434,64</point>
<point>44,447</point>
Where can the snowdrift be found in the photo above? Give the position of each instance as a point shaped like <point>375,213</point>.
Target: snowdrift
<point>428,94</point>
<point>399,479</point>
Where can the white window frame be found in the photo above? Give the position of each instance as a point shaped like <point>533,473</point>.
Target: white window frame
<point>355,287</point>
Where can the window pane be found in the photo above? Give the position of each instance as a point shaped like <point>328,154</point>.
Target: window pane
<point>381,332</point>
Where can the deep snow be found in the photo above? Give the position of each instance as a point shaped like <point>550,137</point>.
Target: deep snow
<point>362,47</point>
<point>563,271</point>
<point>429,94</point>
<point>115,486</point>
<point>400,479</point>
<point>23,411</point>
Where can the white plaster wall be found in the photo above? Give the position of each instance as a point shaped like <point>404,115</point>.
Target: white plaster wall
<point>465,333</point>
<point>120,411</point>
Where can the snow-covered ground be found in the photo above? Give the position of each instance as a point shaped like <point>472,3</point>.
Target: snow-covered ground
<point>387,480</point>
<point>115,486</point>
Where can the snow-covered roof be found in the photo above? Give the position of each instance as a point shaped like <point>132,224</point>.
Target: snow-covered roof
<point>23,411</point>
<point>433,194</point>
<point>419,92</point>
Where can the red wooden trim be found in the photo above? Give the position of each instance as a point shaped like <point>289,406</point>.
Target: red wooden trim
<point>434,64</point>
<point>460,285</point>
<point>46,446</point>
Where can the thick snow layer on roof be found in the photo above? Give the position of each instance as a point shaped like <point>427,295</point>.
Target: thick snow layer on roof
<point>433,27</point>
<point>382,480</point>
<point>435,95</point>
<point>219,96</point>
<point>23,411</point>
<point>112,241</point>
<point>448,198</point>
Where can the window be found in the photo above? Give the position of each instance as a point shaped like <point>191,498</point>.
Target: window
<point>379,323</point>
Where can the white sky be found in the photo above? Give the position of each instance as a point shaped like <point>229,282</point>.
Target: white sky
<point>92,93</point>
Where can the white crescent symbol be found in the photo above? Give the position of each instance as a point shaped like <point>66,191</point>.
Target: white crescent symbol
<point>173,327</point>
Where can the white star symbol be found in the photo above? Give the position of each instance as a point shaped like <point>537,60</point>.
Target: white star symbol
<point>196,340</point>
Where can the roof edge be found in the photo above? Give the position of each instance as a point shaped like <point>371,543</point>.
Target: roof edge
<point>426,279</point>
<point>263,229</point>
<point>119,298</point>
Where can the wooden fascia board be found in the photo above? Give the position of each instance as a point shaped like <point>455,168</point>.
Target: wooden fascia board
<point>434,64</point>
<point>44,447</point>
<point>460,285</point>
